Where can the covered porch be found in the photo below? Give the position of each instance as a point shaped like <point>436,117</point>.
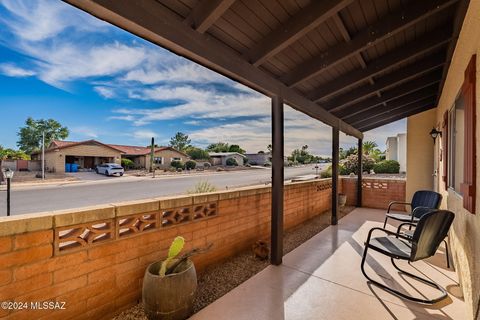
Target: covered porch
<point>321,279</point>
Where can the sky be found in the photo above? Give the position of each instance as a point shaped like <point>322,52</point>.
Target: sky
<point>106,84</point>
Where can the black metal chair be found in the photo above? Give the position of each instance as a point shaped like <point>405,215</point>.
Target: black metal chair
<point>422,198</point>
<point>430,231</point>
<point>419,212</point>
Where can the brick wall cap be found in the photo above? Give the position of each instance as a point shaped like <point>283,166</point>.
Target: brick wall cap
<point>75,216</point>
<point>126,208</point>
<point>25,223</point>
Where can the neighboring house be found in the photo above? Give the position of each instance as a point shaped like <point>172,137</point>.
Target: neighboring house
<point>141,156</point>
<point>90,153</point>
<point>220,158</point>
<point>397,150</point>
<point>258,158</point>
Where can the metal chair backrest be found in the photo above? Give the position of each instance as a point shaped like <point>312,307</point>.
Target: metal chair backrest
<point>431,229</point>
<point>426,198</point>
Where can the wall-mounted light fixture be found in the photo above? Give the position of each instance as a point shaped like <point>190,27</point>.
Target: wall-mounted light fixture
<point>435,133</point>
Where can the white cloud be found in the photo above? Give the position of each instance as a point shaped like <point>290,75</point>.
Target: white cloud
<point>105,92</point>
<point>179,71</point>
<point>12,70</point>
<point>84,131</point>
<point>144,135</point>
<point>41,20</point>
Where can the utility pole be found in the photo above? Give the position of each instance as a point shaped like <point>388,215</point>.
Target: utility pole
<point>43,155</point>
<point>152,157</point>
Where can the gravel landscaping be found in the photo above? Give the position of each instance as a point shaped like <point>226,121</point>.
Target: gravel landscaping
<point>216,280</point>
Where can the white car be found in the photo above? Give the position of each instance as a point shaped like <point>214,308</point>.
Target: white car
<point>109,169</point>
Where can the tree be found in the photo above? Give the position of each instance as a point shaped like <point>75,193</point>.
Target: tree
<point>236,148</point>
<point>197,153</point>
<point>345,153</point>
<point>31,134</point>
<point>369,146</point>
<point>180,141</point>
<point>218,147</point>
<point>12,154</point>
<point>302,155</point>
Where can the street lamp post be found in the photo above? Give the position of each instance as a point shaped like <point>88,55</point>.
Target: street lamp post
<point>8,175</point>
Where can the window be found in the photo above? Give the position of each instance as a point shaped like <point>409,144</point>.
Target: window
<point>158,160</point>
<point>459,141</point>
<point>176,159</point>
<point>456,149</point>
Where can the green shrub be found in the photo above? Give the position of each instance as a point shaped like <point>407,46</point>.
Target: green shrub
<point>128,164</point>
<point>202,187</point>
<point>327,173</point>
<point>190,165</point>
<point>351,163</point>
<point>387,166</point>
<point>232,162</point>
<point>207,165</point>
<point>177,164</point>
<point>267,164</point>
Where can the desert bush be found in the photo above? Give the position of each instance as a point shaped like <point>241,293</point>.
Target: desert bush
<point>267,164</point>
<point>202,187</point>
<point>232,162</point>
<point>190,165</point>
<point>387,166</point>
<point>128,164</point>
<point>177,164</point>
<point>327,173</point>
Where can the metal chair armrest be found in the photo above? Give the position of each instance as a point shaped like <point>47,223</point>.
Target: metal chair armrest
<point>391,233</point>
<point>397,202</point>
<point>405,224</point>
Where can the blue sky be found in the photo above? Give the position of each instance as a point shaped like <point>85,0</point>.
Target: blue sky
<point>104,83</point>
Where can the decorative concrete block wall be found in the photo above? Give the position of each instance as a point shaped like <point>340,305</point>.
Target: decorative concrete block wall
<point>94,258</point>
<point>376,192</point>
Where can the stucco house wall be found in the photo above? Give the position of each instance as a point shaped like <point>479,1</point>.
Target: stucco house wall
<point>167,155</point>
<point>55,159</point>
<point>420,152</point>
<point>464,236</point>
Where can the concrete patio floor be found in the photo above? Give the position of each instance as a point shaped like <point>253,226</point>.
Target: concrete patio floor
<point>321,279</point>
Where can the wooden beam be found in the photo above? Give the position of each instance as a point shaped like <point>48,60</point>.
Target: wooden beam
<point>335,172</point>
<point>408,113</point>
<point>151,21</point>
<point>392,94</point>
<point>360,172</point>
<point>206,12</point>
<point>346,36</point>
<point>277,182</point>
<point>379,31</point>
<point>365,114</point>
<point>413,49</point>
<point>395,109</point>
<point>392,79</point>
<point>457,26</point>
<point>296,27</point>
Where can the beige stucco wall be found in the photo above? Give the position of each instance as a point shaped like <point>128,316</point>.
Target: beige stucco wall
<point>56,159</point>
<point>465,234</point>
<point>167,155</point>
<point>420,152</point>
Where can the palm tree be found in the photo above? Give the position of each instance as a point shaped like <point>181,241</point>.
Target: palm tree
<point>369,146</point>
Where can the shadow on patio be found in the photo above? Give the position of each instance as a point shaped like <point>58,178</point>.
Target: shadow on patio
<point>321,279</point>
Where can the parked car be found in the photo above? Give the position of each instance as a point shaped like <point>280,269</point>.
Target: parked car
<point>109,169</point>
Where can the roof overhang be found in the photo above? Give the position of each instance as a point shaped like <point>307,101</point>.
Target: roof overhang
<point>351,64</point>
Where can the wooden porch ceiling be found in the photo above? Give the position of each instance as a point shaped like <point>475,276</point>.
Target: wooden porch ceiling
<point>352,64</point>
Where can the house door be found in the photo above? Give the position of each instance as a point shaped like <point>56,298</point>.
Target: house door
<point>88,162</point>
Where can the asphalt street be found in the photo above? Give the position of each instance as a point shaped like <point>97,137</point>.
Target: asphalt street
<point>57,197</point>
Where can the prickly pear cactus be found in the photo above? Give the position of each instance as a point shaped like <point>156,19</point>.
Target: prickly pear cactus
<point>175,249</point>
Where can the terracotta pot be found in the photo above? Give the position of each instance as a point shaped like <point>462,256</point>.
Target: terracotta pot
<point>170,297</point>
<point>342,199</point>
